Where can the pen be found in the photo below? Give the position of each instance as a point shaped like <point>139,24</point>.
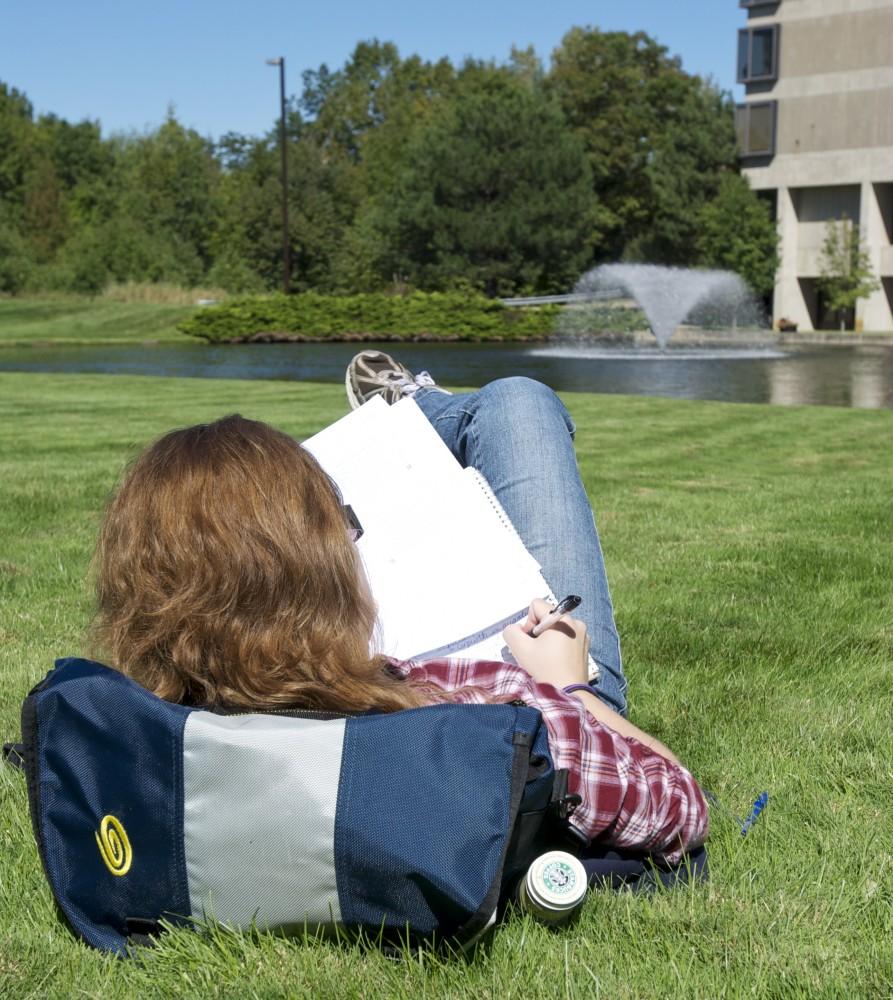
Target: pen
<point>562,608</point>
<point>758,806</point>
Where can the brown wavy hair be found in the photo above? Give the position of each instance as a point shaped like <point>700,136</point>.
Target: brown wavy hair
<point>225,577</point>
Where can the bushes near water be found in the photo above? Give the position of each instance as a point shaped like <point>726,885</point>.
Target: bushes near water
<point>376,316</point>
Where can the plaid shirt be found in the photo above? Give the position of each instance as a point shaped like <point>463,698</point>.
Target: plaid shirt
<point>632,797</point>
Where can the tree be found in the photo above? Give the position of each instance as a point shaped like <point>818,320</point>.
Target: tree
<point>845,268</point>
<point>54,185</point>
<point>16,130</point>
<point>359,119</point>
<point>658,140</point>
<point>15,259</point>
<point>324,192</point>
<point>44,215</point>
<point>693,148</point>
<point>246,243</point>
<point>346,107</point>
<point>346,104</point>
<point>167,181</point>
<point>492,190</point>
<point>83,164</point>
<point>736,232</point>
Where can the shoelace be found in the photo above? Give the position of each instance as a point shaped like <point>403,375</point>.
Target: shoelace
<point>409,386</point>
<point>423,379</point>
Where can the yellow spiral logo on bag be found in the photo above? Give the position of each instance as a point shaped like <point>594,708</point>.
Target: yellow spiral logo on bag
<point>114,846</point>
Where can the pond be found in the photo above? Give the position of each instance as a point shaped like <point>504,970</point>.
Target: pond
<point>854,375</point>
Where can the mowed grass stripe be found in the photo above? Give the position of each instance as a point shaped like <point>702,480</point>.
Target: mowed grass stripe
<point>76,320</point>
<point>750,552</point>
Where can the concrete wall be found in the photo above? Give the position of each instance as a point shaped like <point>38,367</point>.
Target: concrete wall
<point>798,10</point>
<point>876,311</point>
<point>820,169</point>
<point>813,207</point>
<point>834,144</point>
<point>802,215</point>
<point>884,195</point>
<point>858,119</point>
<point>856,40</point>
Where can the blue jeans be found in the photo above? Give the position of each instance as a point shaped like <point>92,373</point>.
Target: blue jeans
<point>518,433</point>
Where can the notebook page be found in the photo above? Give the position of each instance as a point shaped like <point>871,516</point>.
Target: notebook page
<point>423,449</point>
<point>350,450</point>
<point>392,467</point>
<point>451,573</point>
<point>516,546</point>
<point>441,565</point>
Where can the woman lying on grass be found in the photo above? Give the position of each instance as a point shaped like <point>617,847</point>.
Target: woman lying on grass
<point>228,576</point>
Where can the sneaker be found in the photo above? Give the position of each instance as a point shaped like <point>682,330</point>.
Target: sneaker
<point>374,373</point>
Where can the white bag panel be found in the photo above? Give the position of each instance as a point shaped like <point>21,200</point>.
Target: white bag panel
<point>260,793</point>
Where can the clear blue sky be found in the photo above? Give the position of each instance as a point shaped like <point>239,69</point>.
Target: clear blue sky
<point>124,62</point>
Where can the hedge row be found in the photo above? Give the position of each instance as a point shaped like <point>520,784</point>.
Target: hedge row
<point>418,315</point>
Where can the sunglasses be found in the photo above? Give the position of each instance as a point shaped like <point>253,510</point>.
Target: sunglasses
<point>354,528</point>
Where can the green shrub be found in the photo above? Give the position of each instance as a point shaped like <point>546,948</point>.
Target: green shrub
<point>16,265</point>
<point>581,320</point>
<point>374,316</point>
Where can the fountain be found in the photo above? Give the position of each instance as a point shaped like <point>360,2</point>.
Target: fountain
<point>668,296</point>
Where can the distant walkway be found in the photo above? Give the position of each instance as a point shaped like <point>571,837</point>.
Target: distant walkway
<point>838,338</point>
<point>560,300</point>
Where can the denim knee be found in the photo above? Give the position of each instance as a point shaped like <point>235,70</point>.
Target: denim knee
<point>514,401</point>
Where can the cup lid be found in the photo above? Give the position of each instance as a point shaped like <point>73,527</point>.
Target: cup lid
<point>556,881</point>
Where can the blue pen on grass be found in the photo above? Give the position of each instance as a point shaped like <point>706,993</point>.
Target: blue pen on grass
<point>758,806</point>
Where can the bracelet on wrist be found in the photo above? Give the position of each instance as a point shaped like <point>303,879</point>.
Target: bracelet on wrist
<point>579,687</point>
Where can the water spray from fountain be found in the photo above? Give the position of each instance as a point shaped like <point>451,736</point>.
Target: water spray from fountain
<point>668,296</point>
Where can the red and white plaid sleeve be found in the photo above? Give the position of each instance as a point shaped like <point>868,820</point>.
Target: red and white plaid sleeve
<point>632,797</point>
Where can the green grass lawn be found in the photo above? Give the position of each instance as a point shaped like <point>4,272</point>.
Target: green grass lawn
<point>87,321</point>
<point>750,552</point>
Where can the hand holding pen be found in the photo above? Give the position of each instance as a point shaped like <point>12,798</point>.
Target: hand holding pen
<point>562,608</point>
<point>552,647</point>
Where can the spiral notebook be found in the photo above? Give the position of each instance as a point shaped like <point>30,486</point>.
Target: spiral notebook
<point>445,564</point>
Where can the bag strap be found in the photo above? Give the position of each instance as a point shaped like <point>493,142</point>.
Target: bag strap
<point>142,932</point>
<point>14,755</point>
<point>485,914</point>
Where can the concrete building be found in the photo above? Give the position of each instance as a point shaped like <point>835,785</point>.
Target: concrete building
<point>816,136</point>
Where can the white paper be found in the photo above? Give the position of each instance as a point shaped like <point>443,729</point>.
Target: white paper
<point>441,563</point>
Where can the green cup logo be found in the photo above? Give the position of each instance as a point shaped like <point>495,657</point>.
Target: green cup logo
<point>559,878</point>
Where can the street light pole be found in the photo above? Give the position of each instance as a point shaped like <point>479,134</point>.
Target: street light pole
<point>286,248</point>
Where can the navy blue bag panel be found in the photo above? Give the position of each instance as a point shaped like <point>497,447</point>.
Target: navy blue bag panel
<point>434,803</point>
<point>143,809</point>
<point>108,797</point>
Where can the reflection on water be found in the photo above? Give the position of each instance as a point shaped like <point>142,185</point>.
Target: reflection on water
<point>870,385</point>
<point>859,377</point>
<point>837,376</point>
<point>594,353</point>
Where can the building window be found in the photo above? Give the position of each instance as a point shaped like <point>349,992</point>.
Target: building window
<point>758,54</point>
<point>756,128</point>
